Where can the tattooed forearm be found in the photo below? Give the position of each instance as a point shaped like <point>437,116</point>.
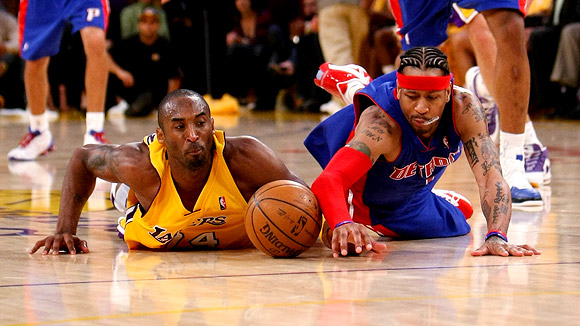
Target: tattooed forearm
<point>361,147</point>
<point>489,154</point>
<point>470,152</point>
<point>485,208</point>
<point>501,203</point>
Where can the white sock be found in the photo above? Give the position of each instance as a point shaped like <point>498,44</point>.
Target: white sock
<point>38,122</point>
<point>95,121</point>
<point>511,158</point>
<point>531,137</point>
<point>511,145</point>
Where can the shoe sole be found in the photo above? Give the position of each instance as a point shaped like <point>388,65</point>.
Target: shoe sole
<point>528,206</point>
<point>538,179</point>
<point>46,151</point>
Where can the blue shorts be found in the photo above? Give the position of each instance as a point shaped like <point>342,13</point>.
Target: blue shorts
<point>424,22</point>
<point>42,23</point>
<point>424,216</point>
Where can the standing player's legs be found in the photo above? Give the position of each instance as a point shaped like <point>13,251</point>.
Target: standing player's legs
<point>90,18</point>
<point>341,29</point>
<point>511,90</point>
<point>95,83</point>
<point>537,163</point>
<point>38,141</point>
<point>41,29</point>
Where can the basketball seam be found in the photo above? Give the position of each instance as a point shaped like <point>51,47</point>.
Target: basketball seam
<point>254,228</point>
<point>268,218</point>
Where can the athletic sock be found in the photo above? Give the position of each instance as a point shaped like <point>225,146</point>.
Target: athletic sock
<point>95,121</point>
<point>38,122</point>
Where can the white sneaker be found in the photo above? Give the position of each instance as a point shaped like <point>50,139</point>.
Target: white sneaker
<point>93,137</point>
<point>32,145</point>
<point>330,107</point>
<point>342,81</point>
<point>537,162</point>
<point>456,200</point>
<point>524,196</point>
<point>118,109</point>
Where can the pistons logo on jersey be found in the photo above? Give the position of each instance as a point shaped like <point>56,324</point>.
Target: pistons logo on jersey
<point>223,205</point>
<point>92,13</point>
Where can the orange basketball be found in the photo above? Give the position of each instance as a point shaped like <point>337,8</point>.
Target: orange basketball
<point>283,218</point>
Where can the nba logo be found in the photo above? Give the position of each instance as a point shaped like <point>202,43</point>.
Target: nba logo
<point>223,205</point>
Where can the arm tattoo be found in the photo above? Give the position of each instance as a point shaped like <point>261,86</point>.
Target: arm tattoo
<point>476,110</point>
<point>470,152</point>
<point>102,158</point>
<point>489,153</point>
<point>485,208</point>
<point>373,136</point>
<point>501,198</point>
<point>383,125</point>
<point>501,202</point>
<point>361,147</point>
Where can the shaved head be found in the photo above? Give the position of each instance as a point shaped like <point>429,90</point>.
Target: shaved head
<point>169,106</point>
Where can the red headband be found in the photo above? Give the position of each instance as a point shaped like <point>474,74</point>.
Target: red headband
<point>423,83</point>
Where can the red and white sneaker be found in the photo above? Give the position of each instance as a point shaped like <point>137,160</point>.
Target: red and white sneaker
<point>93,137</point>
<point>456,200</point>
<point>342,81</point>
<point>32,145</point>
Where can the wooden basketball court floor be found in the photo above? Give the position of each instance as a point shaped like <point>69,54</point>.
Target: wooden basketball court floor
<point>424,282</point>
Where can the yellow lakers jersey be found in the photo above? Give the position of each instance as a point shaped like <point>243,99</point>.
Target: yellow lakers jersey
<point>216,222</point>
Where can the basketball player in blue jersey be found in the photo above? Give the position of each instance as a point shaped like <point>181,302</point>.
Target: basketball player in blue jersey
<point>188,183</point>
<point>380,174</point>
<point>41,26</point>
<point>424,23</point>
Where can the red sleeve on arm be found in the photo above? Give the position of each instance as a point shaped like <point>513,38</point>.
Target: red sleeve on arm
<point>331,187</point>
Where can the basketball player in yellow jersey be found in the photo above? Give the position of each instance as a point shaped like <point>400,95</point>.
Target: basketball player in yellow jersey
<point>189,185</point>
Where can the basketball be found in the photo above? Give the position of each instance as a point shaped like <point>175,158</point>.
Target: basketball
<point>283,218</point>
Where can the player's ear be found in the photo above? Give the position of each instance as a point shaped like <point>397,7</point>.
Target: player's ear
<point>398,93</point>
<point>448,91</point>
<point>160,135</point>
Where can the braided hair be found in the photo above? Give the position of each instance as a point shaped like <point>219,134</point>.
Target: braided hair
<point>424,58</point>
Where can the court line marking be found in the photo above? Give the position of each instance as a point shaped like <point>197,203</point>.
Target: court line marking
<point>305,303</point>
<point>276,274</point>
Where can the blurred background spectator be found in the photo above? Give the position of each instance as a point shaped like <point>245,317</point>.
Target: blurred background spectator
<point>11,78</point>
<point>145,66</point>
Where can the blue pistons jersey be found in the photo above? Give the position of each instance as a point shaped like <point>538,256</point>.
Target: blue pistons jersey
<point>424,22</point>
<point>395,198</point>
<point>42,22</point>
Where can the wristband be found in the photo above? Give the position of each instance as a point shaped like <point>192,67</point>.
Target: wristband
<point>342,223</point>
<point>497,233</point>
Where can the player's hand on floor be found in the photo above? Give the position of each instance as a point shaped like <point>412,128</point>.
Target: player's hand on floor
<point>498,247</point>
<point>65,242</point>
<point>355,236</point>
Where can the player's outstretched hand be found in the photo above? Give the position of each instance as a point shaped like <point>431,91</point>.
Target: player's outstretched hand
<point>57,242</point>
<point>356,236</point>
<point>498,247</point>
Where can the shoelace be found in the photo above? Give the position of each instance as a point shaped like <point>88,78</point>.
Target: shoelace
<point>28,138</point>
<point>99,136</point>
